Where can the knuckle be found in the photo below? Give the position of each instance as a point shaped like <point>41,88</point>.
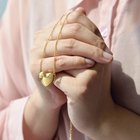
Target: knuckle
<point>70,44</point>
<point>60,61</point>
<point>75,28</point>
<point>100,43</point>
<point>74,16</point>
<point>97,53</point>
<point>79,61</point>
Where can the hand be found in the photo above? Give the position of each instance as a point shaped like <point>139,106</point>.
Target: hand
<point>78,45</point>
<point>88,95</point>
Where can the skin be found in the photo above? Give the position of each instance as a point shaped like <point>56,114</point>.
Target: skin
<point>84,86</point>
<point>42,109</point>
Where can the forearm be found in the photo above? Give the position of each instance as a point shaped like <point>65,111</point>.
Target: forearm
<point>120,124</point>
<point>40,120</point>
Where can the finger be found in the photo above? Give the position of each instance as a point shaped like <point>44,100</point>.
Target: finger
<point>76,31</point>
<point>73,30</point>
<point>78,48</point>
<point>82,73</point>
<point>85,76</point>
<point>78,27</point>
<point>62,63</point>
<point>79,16</point>
<point>89,73</point>
<point>67,84</point>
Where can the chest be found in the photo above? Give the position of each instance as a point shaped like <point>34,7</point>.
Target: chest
<point>123,37</point>
<point>125,87</point>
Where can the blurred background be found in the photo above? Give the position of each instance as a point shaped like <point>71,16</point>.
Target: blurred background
<point>2,6</point>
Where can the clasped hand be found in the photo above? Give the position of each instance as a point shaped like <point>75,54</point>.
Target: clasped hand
<point>82,71</point>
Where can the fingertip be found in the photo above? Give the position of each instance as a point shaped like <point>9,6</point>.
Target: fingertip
<point>107,57</point>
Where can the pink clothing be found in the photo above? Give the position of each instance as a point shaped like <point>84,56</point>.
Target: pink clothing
<point>119,23</point>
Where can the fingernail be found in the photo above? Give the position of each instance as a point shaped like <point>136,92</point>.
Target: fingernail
<point>89,62</point>
<point>108,57</point>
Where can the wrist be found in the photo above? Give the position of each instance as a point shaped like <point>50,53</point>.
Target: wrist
<point>42,103</point>
<point>40,118</point>
<point>102,126</point>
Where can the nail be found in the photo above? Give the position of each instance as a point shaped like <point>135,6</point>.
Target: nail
<point>107,57</point>
<point>89,62</point>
